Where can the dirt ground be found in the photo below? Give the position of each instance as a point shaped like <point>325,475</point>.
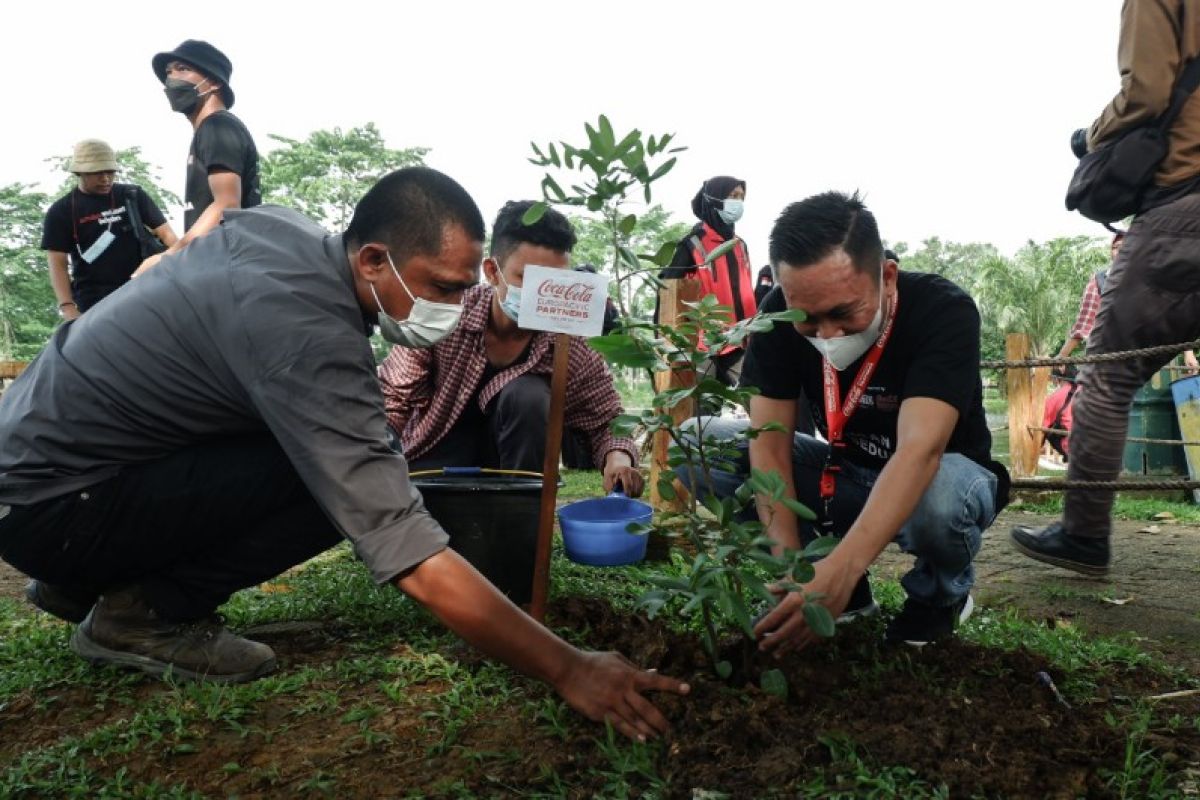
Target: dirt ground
<point>988,730</point>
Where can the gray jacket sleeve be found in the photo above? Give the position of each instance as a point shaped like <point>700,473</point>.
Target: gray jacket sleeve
<point>326,411</point>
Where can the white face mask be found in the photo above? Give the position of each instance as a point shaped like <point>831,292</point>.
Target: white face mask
<point>842,351</point>
<point>511,304</point>
<point>427,324</point>
<point>731,210</point>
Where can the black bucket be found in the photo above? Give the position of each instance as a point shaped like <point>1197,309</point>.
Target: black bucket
<point>492,519</point>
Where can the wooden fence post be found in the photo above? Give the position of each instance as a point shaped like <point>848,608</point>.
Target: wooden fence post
<point>670,310</point>
<point>1026,396</point>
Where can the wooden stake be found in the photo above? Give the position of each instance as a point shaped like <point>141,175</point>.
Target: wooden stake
<point>671,301</point>
<point>1024,409</point>
<point>554,433</point>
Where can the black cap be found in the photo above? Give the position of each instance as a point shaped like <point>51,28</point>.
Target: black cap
<point>205,58</point>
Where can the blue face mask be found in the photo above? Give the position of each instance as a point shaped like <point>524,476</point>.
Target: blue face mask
<point>731,211</point>
<point>510,304</point>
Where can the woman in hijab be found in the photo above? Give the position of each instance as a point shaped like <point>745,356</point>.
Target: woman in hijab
<point>718,206</point>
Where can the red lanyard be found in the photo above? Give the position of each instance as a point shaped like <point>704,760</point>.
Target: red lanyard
<point>837,413</point>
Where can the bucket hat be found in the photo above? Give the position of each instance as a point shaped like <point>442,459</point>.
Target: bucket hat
<point>92,155</point>
<point>205,58</point>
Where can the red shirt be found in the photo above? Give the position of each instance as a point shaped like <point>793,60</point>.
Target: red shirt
<point>1056,402</point>
<point>426,391</point>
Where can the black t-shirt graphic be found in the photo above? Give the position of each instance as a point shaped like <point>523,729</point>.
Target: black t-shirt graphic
<point>75,221</point>
<point>933,352</point>
<point>221,142</point>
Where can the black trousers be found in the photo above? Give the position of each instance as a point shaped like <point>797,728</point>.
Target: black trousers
<point>190,529</point>
<point>511,434</point>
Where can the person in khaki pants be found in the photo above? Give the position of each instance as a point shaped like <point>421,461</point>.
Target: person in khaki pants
<point>1152,295</point>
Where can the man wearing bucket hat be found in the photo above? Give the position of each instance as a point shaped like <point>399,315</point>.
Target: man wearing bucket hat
<point>222,168</point>
<point>89,235</point>
<point>219,422</point>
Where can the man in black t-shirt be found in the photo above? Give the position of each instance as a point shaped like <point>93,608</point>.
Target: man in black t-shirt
<point>90,228</point>
<point>910,461</point>
<point>222,167</point>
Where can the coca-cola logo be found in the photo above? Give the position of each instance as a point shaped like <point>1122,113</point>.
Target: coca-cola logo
<point>575,292</point>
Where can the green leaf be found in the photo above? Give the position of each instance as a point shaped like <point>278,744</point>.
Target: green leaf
<point>595,203</point>
<point>554,155</point>
<point>666,487</point>
<point>535,212</point>
<point>662,170</point>
<point>819,619</point>
<point>629,142</point>
<point>628,258</point>
<point>820,547</point>
<point>606,131</point>
<point>549,185</point>
<point>717,252</point>
<point>741,615</point>
<point>799,509</point>
<point>724,669</point>
<point>772,682</point>
<point>713,504</point>
<point>791,315</point>
<point>625,424</point>
<point>624,350</point>
<point>669,582</point>
<point>662,257</point>
<point>627,225</point>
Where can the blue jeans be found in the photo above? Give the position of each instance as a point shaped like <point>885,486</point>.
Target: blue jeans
<point>944,532</point>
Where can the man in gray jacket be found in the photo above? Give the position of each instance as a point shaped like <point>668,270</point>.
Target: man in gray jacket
<point>219,421</point>
<point>1152,296</point>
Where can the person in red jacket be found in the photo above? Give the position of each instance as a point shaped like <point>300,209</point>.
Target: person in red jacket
<point>718,206</point>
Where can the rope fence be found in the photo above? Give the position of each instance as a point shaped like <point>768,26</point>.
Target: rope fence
<point>1025,404</point>
<point>1136,439</point>
<point>1098,358</point>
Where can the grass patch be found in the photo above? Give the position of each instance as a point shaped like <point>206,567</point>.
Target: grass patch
<point>394,666</point>
<point>1126,506</point>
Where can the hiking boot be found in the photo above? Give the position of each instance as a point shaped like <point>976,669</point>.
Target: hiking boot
<point>919,623</point>
<point>123,630</point>
<point>1053,545</point>
<point>862,603</point>
<point>58,601</point>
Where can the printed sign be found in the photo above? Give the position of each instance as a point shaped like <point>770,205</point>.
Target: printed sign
<point>563,301</point>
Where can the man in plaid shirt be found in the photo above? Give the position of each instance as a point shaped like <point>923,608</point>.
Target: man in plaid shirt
<point>480,397</point>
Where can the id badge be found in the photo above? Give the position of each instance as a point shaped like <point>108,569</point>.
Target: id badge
<point>98,247</point>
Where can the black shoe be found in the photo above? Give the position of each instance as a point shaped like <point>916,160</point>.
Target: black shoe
<point>59,602</point>
<point>1053,545</point>
<point>919,623</point>
<point>862,603</point>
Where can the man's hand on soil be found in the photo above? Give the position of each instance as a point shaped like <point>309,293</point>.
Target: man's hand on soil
<point>784,628</point>
<point>607,687</point>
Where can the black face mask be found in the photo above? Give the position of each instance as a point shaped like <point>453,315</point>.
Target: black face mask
<point>182,95</point>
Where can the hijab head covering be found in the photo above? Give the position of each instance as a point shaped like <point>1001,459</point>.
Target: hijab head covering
<point>711,199</point>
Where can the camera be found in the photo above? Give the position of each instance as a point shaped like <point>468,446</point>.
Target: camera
<point>1079,143</point>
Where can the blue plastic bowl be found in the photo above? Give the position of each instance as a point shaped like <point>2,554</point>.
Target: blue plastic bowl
<point>594,531</point>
